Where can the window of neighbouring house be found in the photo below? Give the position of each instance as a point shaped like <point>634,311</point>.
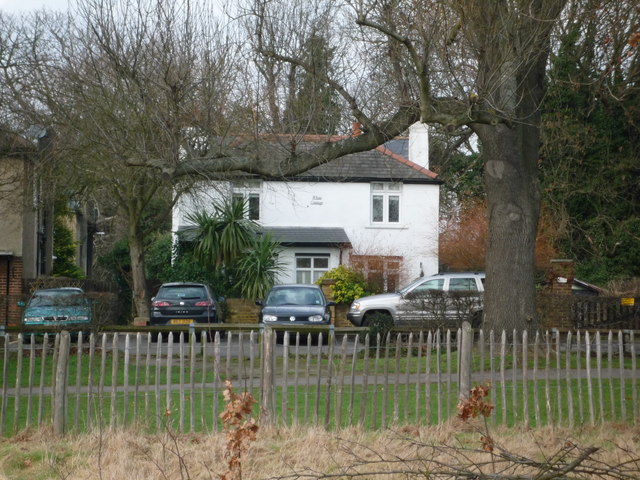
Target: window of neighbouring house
<point>385,202</point>
<point>311,266</point>
<point>249,193</point>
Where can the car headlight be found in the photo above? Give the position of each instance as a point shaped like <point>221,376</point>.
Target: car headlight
<point>316,318</point>
<point>355,306</point>
<point>269,318</point>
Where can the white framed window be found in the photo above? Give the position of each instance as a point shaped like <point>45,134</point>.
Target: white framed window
<point>249,193</point>
<point>311,266</point>
<point>385,202</point>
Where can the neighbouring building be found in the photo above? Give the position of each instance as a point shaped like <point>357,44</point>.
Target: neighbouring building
<point>26,225</point>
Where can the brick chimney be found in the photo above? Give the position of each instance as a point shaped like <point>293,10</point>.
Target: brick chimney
<point>419,144</point>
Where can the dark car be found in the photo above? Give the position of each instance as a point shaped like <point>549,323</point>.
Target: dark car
<point>183,303</point>
<point>295,305</point>
<point>66,308</point>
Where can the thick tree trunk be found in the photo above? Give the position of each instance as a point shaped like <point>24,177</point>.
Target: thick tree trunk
<point>512,54</point>
<point>513,204</point>
<point>138,280</point>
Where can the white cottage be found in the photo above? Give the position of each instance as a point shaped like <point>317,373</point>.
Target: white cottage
<point>377,210</point>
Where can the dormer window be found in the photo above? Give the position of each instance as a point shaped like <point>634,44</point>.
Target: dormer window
<point>385,202</point>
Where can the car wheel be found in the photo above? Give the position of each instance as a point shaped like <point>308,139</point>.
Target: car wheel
<point>476,320</point>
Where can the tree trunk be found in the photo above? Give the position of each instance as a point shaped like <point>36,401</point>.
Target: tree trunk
<point>512,187</point>
<point>138,279</point>
<point>513,205</point>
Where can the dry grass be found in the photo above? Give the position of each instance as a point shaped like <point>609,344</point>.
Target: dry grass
<point>125,455</point>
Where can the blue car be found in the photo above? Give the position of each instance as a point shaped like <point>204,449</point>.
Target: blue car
<point>66,308</point>
<point>295,306</point>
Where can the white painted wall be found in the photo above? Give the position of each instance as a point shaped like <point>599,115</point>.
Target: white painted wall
<point>346,205</point>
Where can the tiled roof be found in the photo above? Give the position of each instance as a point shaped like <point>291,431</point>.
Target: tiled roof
<point>377,164</point>
<point>309,236</point>
<point>387,162</point>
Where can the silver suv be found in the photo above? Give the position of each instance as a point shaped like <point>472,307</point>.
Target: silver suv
<point>439,301</point>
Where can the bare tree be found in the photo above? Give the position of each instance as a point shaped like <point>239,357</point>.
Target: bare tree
<point>120,83</point>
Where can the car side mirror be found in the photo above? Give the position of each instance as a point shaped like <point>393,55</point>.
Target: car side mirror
<point>331,304</point>
<point>21,303</point>
<point>259,303</point>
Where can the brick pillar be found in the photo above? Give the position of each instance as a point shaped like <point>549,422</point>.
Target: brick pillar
<point>326,289</point>
<point>560,275</point>
<point>339,312</point>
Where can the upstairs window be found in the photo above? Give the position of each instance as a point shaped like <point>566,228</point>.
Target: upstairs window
<point>249,194</point>
<point>385,203</point>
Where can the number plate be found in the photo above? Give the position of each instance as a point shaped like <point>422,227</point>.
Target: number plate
<point>181,321</point>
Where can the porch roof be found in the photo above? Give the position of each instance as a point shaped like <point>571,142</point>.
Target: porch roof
<point>309,236</point>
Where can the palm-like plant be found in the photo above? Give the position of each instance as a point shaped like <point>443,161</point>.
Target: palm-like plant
<point>258,268</point>
<point>226,241</point>
<point>221,237</point>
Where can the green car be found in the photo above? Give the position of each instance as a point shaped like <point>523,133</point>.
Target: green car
<point>55,309</point>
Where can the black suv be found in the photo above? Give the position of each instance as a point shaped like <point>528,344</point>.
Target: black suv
<point>184,303</point>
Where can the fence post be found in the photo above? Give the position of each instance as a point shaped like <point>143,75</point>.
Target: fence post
<point>267,382</point>
<point>464,372</point>
<point>60,392</point>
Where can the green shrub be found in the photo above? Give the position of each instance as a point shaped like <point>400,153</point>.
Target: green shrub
<point>380,323</point>
<point>349,284</point>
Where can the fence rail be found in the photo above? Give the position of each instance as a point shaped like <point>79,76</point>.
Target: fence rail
<point>332,379</point>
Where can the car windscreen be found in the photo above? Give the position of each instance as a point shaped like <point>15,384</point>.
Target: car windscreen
<point>58,299</point>
<point>294,296</point>
<point>182,293</point>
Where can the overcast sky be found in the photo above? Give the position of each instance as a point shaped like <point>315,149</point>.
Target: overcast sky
<point>26,6</point>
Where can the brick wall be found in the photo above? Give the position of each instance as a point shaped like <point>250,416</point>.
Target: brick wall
<point>10,290</point>
<point>554,303</point>
<point>241,311</point>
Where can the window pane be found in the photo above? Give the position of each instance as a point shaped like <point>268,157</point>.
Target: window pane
<point>254,206</point>
<point>321,262</point>
<point>394,208</point>
<point>377,207</point>
<point>303,276</point>
<point>393,187</point>
<point>377,186</point>
<point>303,262</point>
<point>316,275</point>
<point>462,284</point>
<point>430,285</point>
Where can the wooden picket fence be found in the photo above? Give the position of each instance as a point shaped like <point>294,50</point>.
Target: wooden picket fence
<point>339,379</point>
